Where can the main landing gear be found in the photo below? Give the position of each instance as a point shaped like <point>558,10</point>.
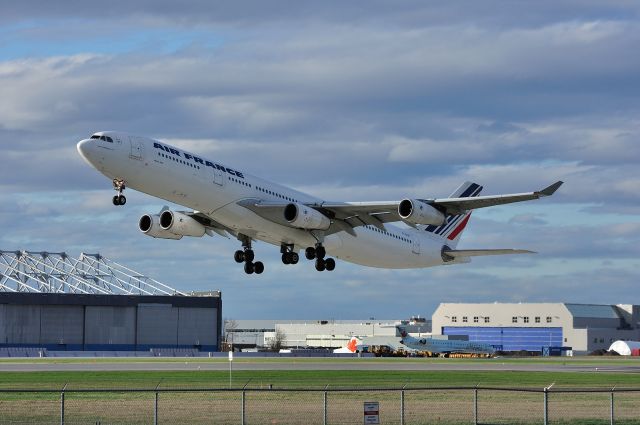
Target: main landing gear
<point>247,256</point>
<point>289,256</point>
<point>119,186</point>
<point>318,252</point>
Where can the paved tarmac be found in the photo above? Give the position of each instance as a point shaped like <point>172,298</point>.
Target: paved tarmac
<point>361,364</point>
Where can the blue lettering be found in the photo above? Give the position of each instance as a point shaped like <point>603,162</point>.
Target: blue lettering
<point>198,160</point>
<point>209,164</point>
<point>230,171</point>
<point>173,151</point>
<point>239,174</point>
<point>186,155</point>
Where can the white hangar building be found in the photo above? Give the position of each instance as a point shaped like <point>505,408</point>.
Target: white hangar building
<point>532,326</point>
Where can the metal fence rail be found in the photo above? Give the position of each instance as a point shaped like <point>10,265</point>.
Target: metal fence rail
<point>442,405</point>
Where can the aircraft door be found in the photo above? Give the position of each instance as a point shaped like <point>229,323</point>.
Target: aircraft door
<point>415,244</point>
<point>218,178</point>
<point>137,148</point>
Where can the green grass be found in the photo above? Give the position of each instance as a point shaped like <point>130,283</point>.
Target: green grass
<point>311,379</point>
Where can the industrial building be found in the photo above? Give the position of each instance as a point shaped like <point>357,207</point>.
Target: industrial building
<point>532,326</point>
<point>52,301</point>
<point>315,333</point>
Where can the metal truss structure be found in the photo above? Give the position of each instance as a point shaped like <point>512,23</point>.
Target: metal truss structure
<point>57,272</point>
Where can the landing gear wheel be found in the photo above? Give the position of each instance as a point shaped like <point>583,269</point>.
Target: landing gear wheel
<point>320,265</point>
<point>320,252</point>
<point>122,200</point>
<point>238,256</point>
<point>294,258</point>
<point>330,264</point>
<point>116,200</point>
<point>249,267</point>
<point>258,267</point>
<point>286,258</point>
<point>248,255</point>
<point>310,253</point>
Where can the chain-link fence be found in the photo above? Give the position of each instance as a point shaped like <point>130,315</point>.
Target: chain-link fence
<point>459,405</point>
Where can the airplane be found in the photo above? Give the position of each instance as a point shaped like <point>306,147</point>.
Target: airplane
<point>435,345</point>
<point>231,202</point>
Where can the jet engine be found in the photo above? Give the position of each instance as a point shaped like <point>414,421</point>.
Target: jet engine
<point>303,217</point>
<point>149,224</point>
<point>419,212</point>
<point>180,224</point>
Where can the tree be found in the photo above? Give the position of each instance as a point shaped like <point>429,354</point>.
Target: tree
<point>278,341</point>
<point>230,326</point>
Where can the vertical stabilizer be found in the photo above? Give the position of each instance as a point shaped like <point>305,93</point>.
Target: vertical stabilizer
<point>454,225</point>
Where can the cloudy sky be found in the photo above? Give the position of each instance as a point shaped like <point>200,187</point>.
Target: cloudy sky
<point>375,100</point>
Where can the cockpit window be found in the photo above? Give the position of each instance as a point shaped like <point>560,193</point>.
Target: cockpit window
<point>105,138</point>
<point>95,136</point>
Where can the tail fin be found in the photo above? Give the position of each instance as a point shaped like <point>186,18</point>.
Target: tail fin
<point>452,229</point>
<point>353,343</point>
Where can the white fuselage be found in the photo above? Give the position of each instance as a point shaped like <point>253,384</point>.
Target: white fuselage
<point>435,345</point>
<point>207,186</point>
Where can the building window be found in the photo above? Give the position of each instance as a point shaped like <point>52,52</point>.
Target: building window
<point>595,340</point>
<point>526,319</point>
<point>537,319</point>
<point>565,340</point>
<point>464,319</point>
<point>548,319</point>
<point>454,319</point>
<point>514,319</point>
<point>486,319</point>
<point>601,340</point>
<point>475,319</point>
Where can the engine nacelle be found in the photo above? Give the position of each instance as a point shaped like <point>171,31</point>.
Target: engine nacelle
<point>149,224</point>
<point>418,212</point>
<point>180,224</point>
<point>303,217</point>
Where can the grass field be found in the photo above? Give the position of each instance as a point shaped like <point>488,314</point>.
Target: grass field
<point>442,406</point>
<point>320,379</point>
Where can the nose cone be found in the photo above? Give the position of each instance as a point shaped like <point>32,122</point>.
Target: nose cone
<point>85,149</point>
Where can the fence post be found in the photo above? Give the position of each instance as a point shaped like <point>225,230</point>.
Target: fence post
<point>244,417</point>
<point>62,404</point>
<point>612,412</point>
<point>155,410</point>
<point>546,406</point>
<point>402,406</point>
<point>324,409</point>
<point>475,405</point>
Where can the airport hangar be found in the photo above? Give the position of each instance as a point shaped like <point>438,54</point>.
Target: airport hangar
<point>51,302</point>
<point>507,326</point>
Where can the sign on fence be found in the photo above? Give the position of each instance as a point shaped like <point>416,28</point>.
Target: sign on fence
<point>371,412</point>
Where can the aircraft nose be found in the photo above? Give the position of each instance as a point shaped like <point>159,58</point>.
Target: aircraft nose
<point>85,147</point>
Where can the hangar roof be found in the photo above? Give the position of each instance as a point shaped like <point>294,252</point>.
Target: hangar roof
<point>57,272</point>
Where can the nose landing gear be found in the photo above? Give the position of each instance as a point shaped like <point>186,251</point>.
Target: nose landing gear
<point>119,186</point>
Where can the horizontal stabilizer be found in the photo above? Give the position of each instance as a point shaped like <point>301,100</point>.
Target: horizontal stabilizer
<point>457,253</point>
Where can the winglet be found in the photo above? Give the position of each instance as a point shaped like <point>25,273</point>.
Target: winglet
<point>550,190</point>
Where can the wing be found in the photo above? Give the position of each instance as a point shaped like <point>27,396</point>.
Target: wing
<point>210,224</point>
<point>456,206</point>
<point>345,216</point>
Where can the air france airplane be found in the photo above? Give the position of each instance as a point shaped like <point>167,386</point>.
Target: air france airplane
<point>229,201</point>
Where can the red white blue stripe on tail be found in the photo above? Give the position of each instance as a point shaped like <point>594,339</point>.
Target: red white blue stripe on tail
<point>455,224</point>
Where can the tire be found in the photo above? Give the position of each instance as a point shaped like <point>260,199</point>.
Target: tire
<point>248,255</point>
<point>320,265</point>
<point>285,258</point>
<point>238,256</point>
<point>248,268</point>
<point>122,200</point>
<point>294,258</point>
<point>320,252</point>
<point>116,200</point>
<point>258,267</point>
<point>330,264</point>
<point>310,253</point>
